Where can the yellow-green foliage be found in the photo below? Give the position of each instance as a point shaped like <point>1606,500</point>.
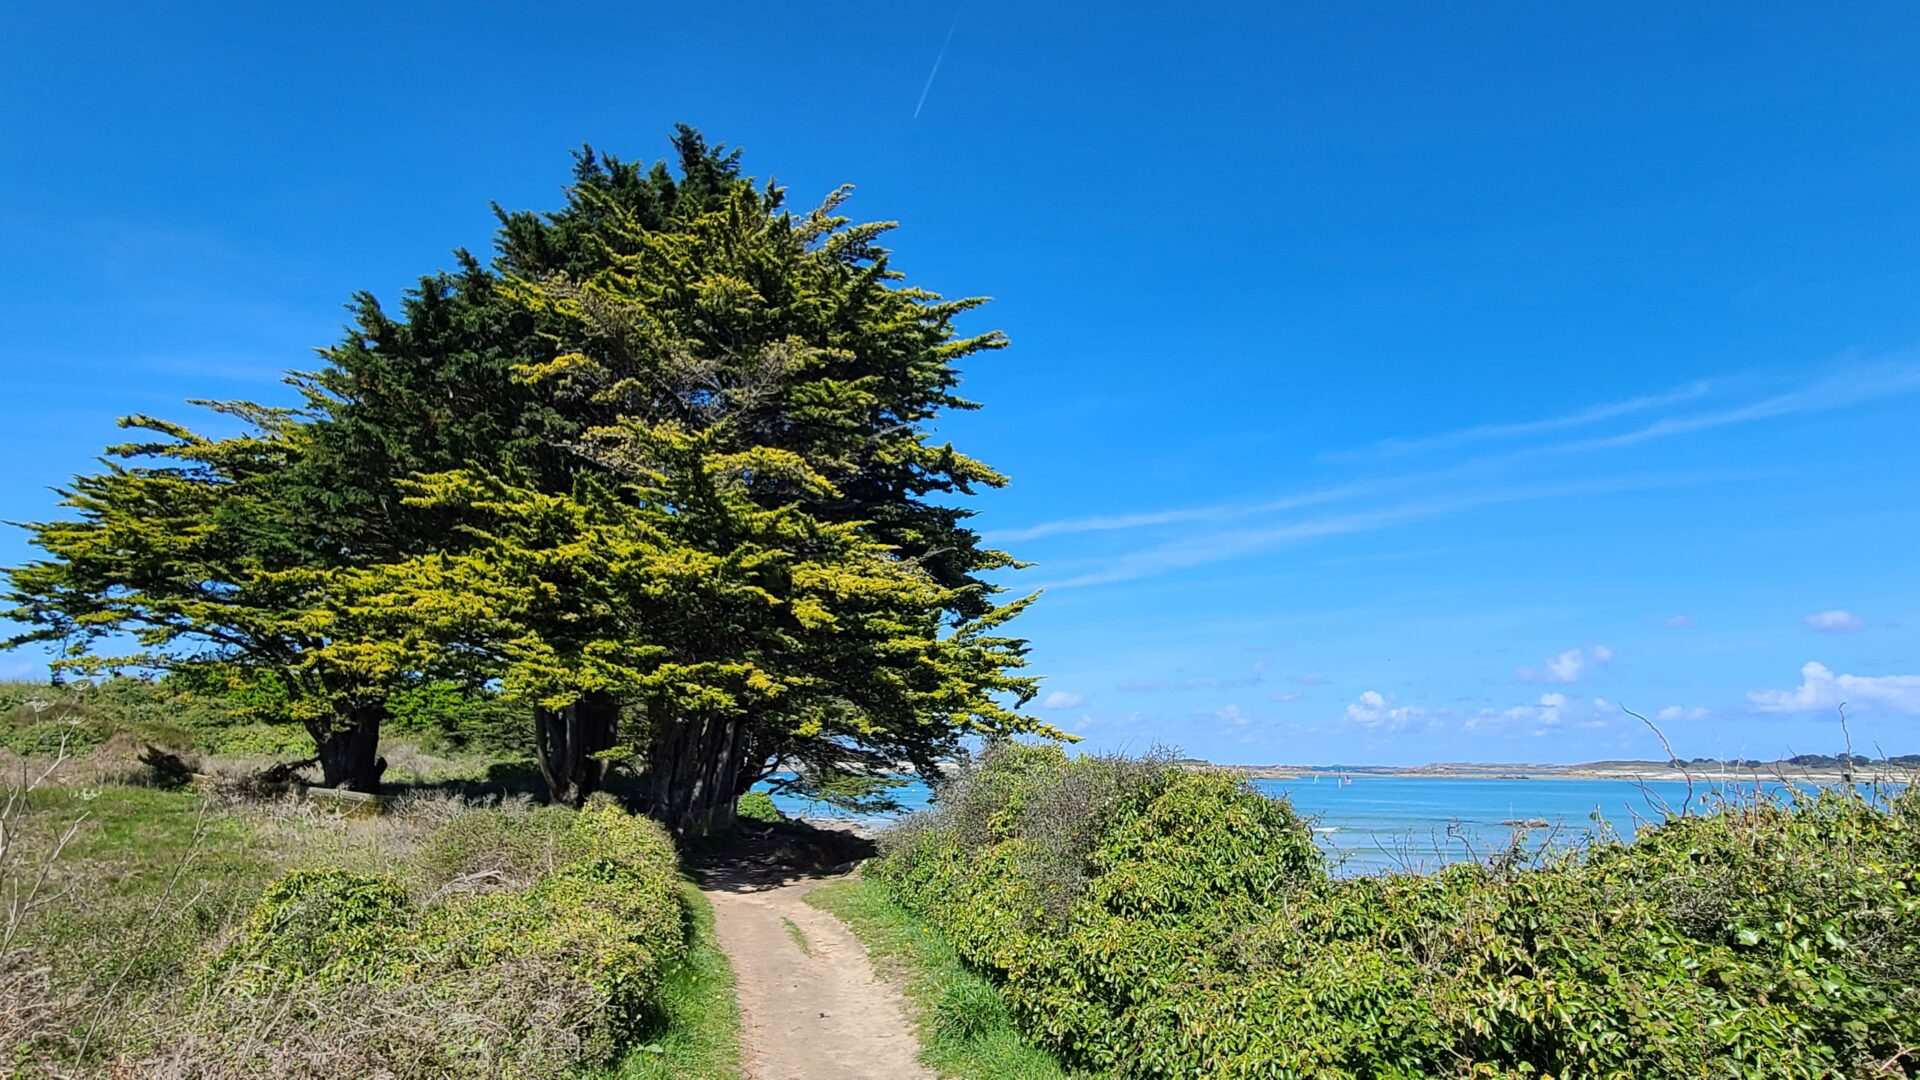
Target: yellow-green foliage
<point>603,910</point>
<point>758,806</point>
<point>1772,938</point>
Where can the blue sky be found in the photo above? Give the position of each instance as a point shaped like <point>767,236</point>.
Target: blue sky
<point>1390,382</point>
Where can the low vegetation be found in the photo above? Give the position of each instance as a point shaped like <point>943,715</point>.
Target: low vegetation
<point>964,1023</point>
<point>158,932</point>
<point>1142,920</point>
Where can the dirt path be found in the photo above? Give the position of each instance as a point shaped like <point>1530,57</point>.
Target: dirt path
<point>812,1012</point>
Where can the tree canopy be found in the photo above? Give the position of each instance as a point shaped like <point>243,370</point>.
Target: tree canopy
<point>663,470</point>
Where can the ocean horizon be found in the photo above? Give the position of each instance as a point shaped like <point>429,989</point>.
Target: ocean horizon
<point>1370,823</point>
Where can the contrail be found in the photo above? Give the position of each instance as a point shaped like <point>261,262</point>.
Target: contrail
<point>936,64</point>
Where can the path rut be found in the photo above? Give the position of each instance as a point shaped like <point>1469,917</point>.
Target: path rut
<point>817,1014</point>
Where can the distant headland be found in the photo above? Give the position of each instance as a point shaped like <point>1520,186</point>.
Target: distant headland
<point>1812,767</point>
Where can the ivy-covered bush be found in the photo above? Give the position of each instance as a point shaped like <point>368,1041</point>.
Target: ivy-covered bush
<point>585,918</point>
<point>1193,931</point>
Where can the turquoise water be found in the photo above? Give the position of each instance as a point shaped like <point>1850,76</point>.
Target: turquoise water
<point>1373,824</point>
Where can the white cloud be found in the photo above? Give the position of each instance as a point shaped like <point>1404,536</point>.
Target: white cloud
<point>1232,716</point>
<point>1311,678</point>
<point>1678,622</point>
<point>1289,695</point>
<point>1553,710</point>
<point>1550,708</point>
<point>1680,712</point>
<point>1060,699</point>
<point>1820,690</point>
<point>1376,712</point>
<point>1835,622</point>
<point>1565,668</point>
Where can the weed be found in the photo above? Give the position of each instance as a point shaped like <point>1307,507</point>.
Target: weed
<point>797,935</point>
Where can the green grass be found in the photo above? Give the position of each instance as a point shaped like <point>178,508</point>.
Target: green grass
<point>963,1023</point>
<point>147,879</point>
<point>798,935</point>
<point>701,1035</point>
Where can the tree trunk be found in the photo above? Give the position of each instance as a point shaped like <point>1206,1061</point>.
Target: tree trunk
<point>693,768</point>
<point>567,742</point>
<point>349,751</point>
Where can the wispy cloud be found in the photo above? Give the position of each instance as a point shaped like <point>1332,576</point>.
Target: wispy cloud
<point>1835,622</point>
<point>1857,386</point>
<point>1228,544</point>
<point>1061,699</point>
<point>1183,516</point>
<point>1521,429</point>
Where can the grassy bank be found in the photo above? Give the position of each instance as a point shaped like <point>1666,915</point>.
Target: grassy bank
<point>962,1021</point>
<point>166,933</point>
<point>1142,920</point>
<point>699,1028</point>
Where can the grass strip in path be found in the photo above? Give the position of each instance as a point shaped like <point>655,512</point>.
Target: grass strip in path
<point>962,1021</point>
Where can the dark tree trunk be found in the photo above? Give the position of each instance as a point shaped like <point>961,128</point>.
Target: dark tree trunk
<point>349,751</point>
<point>693,769</point>
<point>567,742</point>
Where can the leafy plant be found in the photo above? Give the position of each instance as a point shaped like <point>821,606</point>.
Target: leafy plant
<point>1195,932</point>
<point>758,806</point>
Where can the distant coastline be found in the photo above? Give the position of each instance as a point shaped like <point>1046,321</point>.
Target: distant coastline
<point>1706,771</point>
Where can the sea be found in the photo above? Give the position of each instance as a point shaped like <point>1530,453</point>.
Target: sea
<point>1371,824</point>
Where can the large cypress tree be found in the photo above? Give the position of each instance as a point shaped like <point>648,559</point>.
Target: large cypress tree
<point>668,331</point>
<point>685,298</point>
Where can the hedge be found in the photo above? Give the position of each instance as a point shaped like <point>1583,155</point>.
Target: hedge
<point>1188,927</point>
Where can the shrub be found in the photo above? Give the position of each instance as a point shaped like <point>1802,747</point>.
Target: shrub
<point>584,922</point>
<point>38,718</point>
<point>758,806</point>
<point>1202,936</point>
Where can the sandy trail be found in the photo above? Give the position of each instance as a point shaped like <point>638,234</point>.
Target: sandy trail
<point>817,1014</point>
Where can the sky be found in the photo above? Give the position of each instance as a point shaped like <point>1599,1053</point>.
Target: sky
<point>1390,383</point>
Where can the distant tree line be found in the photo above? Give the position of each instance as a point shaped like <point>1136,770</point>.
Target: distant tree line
<point>1812,761</point>
<point>661,469</point>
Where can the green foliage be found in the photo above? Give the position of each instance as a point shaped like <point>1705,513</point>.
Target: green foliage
<point>697,1036</point>
<point>445,713</point>
<point>603,910</point>
<point>326,924</point>
<point>965,1026</point>
<point>38,718</point>
<point>758,806</point>
<point>502,849</point>
<point>1767,939</point>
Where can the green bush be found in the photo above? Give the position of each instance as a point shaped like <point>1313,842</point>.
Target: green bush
<point>758,806</point>
<point>1201,936</point>
<point>594,925</point>
<point>328,925</point>
<point>40,718</point>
